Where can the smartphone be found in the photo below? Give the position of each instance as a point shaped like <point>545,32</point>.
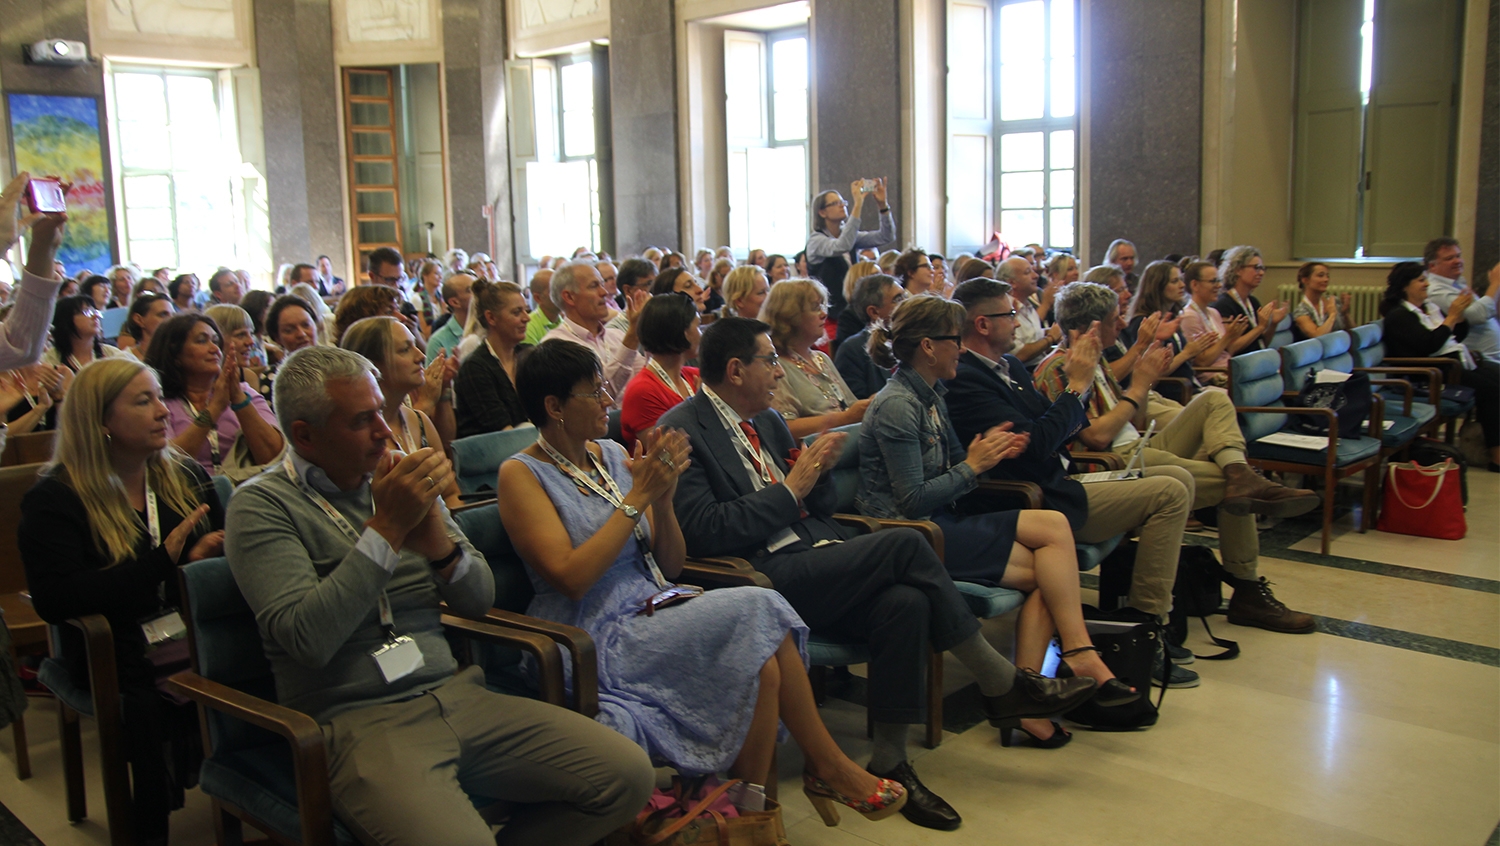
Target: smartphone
<point>867,186</point>
<point>46,195</point>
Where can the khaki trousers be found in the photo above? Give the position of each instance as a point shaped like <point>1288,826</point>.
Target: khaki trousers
<point>1158,506</point>
<point>1189,436</point>
<point>399,773</point>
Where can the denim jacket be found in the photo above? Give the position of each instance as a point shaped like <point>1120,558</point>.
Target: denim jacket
<point>911,463</point>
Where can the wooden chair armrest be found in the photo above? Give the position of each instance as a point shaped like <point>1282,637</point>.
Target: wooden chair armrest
<point>538,645</point>
<point>581,651</point>
<point>1401,385</point>
<point>1183,383</point>
<point>1433,374</point>
<point>1450,367</point>
<point>1211,368</point>
<point>708,575</point>
<point>858,522</point>
<point>309,755</point>
<point>926,528</point>
<point>473,501</point>
<point>1031,491</point>
<point>1102,460</point>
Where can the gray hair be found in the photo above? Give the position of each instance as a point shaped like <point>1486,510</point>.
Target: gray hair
<point>1103,274</point>
<point>1113,252</point>
<point>565,278</point>
<point>1080,304</point>
<point>300,391</point>
<point>310,294</point>
<point>870,291</point>
<point>1004,273</point>
<point>1233,261</point>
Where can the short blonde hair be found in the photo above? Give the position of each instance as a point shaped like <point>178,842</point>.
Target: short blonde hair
<point>858,271</point>
<point>740,282</point>
<point>788,299</point>
<point>231,318</point>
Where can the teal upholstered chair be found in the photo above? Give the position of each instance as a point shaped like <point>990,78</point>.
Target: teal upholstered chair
<point>477,458</point>
<point>1258,390</point>
<point>1427,377</point>
<point>266,764</point>
<point>1283,334</point>
<point>1395,396</point>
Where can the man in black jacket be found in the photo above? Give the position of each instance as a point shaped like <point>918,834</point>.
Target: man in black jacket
<point>751,493</point>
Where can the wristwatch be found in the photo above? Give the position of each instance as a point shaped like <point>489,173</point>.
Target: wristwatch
<point>443,562</point>
<point>632,512</point>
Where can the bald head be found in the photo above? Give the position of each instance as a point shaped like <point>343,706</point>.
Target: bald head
<point>1020,273</point>
<point>541,293</point>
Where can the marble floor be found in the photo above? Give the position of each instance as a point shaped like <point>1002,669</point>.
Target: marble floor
<point>1382,728</point>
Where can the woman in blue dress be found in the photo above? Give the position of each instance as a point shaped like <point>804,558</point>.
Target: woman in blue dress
<point>914,468</point>
<point>700,684</point>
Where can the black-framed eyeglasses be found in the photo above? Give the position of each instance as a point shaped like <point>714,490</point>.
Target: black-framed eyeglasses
<point>954,338</point>
<point>393,281</point>
<point>998,314</point>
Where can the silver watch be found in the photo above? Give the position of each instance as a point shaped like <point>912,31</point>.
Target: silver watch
<point>632,512</point>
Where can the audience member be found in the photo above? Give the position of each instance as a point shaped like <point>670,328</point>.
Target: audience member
<point>745,291</point>
<point>715,280</point>
<point>41,387</point>
<point>914,269</point>
<point>741,497</point>
<point>875,299</point>
<point>1205,427</point>
<point>225,287</point>
<point>913,467</point>
<point>1444,260</point>
<point>458,295</point>
<point>992,388</point>
<point>1200,316</point>
<point>214,416</point>
<point>703,260</point>
<point>328,284</point>
<point>579,294</point>
<point>1317,315</point>
<point>756,257</point>
<point>183,290</point>
<point>1241,271</point>
<point>148,285</point>
<point>973,268</point>
<point>799,264</point>
<point>98,290</point>
<point>545,315</point>
<point>886,261</point>
<point>777,268</point>
<point>292,323</point>
<point>610,276</point>
<point>1160,293</point>
<point>1417,328</point>
<point>363,301</point>
<point>112,516</point>
<point>940,280</point>
<point>836,235</point>
<point>77,337</point>
<point>600,550</point>
<point>677,280</point>
<point>455,260</point>
<point>485,393</point>
<point>122,282</point>
<point>1033,340</point>
<point>669,332</point>
<point>1121,254</point>
<point>400,762</point>
<point>813,396</point>
<point>241,344</point>
<point>849,323</point>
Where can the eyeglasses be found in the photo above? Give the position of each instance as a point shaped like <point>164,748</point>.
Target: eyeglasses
<point>954,338</point>
<point>992,316</point>
<point>601,393</point>
<point>1260,267</point>
<point>773,359</point>
<point>392,280</point>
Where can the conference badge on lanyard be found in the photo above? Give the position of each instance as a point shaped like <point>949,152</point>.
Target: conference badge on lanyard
<point>165,626</point>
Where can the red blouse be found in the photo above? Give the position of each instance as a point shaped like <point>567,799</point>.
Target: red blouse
<point>646,399</point>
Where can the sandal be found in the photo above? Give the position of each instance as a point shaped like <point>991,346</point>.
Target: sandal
<point>1059,738</point>
<point>1111,693</point>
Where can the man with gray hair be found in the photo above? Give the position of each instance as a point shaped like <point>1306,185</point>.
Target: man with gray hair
<point>345,553</point>
<point>874,301</point>
<point>1121,254</point>
<point>1444,260</point>
<point>1032,340</point>
<point>578,293</point>
<point>1202,437</point>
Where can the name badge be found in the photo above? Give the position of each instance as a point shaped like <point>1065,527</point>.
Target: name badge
<point>786,537</point>
<point>399,659</point>
<point>163,628</point>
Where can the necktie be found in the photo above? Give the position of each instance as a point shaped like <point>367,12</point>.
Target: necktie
<point>755,447</point>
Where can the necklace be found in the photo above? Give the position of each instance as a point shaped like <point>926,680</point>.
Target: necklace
<point>819,379</point>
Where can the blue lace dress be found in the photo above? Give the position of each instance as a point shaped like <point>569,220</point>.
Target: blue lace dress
<point>682,683</point>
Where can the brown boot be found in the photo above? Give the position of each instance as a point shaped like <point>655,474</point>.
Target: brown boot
<point>1248,492</point>
<point>1253,604</point>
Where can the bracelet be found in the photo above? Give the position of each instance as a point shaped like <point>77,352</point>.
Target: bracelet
<point>202,419</point>
<point>1132,402</point>
<point>886,210</point>
<point>239,405</point>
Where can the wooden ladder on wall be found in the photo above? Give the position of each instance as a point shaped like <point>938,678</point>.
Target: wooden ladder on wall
<point>370,137</point>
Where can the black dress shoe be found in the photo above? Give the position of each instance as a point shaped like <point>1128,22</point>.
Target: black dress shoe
<point>923,807</point>
<point>1036,695</point>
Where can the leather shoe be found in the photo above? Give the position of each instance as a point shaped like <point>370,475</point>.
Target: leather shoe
<point>923,807</point>
<point>1035,695</point>
<point>1248,492</point>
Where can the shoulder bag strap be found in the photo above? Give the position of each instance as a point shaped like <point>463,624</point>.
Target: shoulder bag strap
<point>698,809</point>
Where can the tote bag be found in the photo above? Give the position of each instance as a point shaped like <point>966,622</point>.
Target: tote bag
<point>1423,501</point>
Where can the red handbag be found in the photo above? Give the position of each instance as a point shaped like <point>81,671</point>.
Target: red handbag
<point>1426,501</point>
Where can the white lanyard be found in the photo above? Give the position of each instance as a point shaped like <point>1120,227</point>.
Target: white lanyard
<point>610,493</point>
<point>1320,313</point>
<point>1249,312</point>
<point>73,363</point>
<point>213,434</point>
<point>1208,320</point>
<point>1104,391</point>
<point>937,424</point>
<point>153,521</point>
<point>387,619</point>
<point>757,456</point>
<point>666,378</point>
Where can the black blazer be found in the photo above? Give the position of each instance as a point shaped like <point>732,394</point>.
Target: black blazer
<point>861,374</point>
<point>1406,337</point>
<point>487,401</point>
<point>720,511</point>
<point>979,399</point>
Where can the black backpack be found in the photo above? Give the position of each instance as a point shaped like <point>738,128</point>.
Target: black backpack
<point>1198,592</point>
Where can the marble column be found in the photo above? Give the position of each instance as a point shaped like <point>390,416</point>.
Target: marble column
<point>1146,112</point>
<point>856,102</point>
<point>643,108</point>
<point>299,113</point>
<point>1486,249</point>
<point>474,52</point>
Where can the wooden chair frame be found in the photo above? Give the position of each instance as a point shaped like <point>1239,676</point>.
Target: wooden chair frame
<point>104,688</point>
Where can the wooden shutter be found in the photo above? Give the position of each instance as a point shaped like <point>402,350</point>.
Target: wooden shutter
<point>1326,174</point>
<point>521,110</point>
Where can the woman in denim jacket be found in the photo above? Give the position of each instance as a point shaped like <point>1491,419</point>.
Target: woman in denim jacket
<point>914,468</point>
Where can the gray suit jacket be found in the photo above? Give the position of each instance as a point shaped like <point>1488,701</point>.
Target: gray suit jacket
<point>719,509</point>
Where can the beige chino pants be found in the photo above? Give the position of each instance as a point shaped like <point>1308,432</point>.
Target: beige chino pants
<point>1158,505</point>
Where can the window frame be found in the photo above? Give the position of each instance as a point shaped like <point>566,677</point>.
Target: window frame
<point>768,140</point>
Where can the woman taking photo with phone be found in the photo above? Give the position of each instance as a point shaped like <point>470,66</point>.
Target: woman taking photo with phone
<point>836,235</point>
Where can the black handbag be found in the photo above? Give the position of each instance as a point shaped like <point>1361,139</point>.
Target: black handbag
<point>1349,399</point>
<point>1128,647</point>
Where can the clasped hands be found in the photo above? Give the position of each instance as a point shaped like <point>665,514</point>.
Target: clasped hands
<point>406,490</point>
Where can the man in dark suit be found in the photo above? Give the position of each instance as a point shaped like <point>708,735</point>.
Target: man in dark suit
<point>993,387</point>
<point>750,493</point>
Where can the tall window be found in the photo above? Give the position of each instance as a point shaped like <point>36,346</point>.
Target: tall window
<point>1013,103</point>
<point>765,124</point>
<point>562,184</point>
<point>177,157</point>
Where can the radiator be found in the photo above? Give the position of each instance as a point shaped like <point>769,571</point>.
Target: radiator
<point>1364,305</point>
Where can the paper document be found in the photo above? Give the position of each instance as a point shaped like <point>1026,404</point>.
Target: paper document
<point>1291,439</point>
<point>1325,377</point>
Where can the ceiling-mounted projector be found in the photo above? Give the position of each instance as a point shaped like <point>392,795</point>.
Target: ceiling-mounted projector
<point>58,51</point>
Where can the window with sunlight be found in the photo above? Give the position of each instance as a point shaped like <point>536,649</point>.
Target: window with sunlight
<point>562,196</point>
<point>766,106</point>
<point>176,161</point>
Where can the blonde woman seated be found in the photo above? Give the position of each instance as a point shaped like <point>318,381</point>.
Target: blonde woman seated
<point>103,531</point>
<point>700,684</point>
<point>813,396</point>
<point>849,323</point>
<point>389,345</point>
<point>241,343</point>
<point>745,290</point>
<point>912,467</point>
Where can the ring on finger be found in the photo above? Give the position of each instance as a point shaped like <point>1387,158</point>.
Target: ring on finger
<point>430,482</point>
<point>667,460</point>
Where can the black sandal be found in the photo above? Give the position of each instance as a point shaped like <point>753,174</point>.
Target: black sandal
<point>1111,693</point>
<point>1059,738</point>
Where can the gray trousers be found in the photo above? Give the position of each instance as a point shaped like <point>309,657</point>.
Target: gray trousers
<point>400,773</point>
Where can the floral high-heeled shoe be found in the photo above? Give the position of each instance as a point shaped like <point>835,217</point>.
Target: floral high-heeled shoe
<point>884,802</point>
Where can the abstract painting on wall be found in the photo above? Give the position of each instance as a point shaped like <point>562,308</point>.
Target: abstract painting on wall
<point>59,136</point>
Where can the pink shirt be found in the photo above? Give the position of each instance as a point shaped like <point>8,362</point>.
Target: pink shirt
<point>179,419</point>
<point>1195,323</point>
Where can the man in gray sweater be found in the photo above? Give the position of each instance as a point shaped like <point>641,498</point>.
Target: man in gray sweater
<point>344,551</point>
